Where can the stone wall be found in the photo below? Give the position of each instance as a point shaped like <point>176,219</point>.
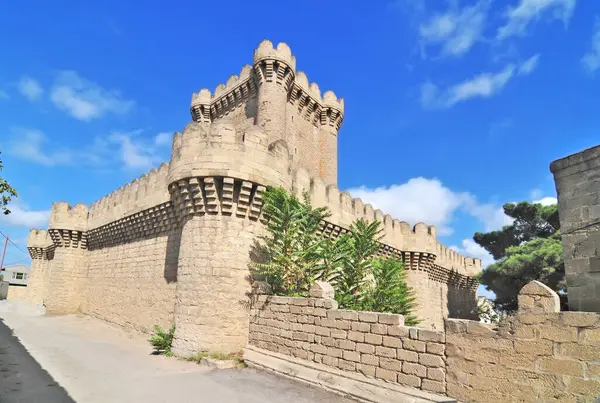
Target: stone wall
<point>374,344</point>
<point>537,355</point>
<point>17,292</point>
<point>577,179</point>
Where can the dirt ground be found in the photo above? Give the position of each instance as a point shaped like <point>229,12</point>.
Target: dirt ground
<point>98,362</point>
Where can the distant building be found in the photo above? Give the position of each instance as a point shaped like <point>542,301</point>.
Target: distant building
<point>16,274</point>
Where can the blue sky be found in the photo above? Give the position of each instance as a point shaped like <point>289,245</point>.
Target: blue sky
<point>452,107</point>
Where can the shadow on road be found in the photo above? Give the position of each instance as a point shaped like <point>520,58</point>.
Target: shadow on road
<point>22,379</point>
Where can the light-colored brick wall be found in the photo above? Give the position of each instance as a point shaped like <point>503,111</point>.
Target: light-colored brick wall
<point>38,280</point>
<point>539,355</point>
<point>65,285</point>
<point>374,344</point>
<point>17,292</point>
<point>133,284</point>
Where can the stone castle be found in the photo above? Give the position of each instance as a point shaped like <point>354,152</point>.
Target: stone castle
<point>173,246</point>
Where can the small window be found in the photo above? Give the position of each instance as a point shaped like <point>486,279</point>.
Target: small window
<point>19,276</point>
<point>14,275</point>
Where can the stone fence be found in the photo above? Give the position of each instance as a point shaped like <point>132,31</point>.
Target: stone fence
<point>539,354</point>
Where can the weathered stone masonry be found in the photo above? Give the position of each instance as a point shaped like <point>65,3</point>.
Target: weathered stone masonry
<point>174,244</point>
<point>537,355</point>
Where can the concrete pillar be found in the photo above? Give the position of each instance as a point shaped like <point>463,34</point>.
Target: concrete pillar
<point>577,179</point>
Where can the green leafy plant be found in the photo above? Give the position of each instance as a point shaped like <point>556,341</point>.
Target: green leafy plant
<point>7,192</point>
<point>390,293</point>
<point>162,341</point>
<point>290,246</point>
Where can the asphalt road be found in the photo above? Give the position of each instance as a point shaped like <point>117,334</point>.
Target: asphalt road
<point>22,379</point>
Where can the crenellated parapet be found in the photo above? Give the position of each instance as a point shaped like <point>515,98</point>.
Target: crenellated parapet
<point>416,246</point>
<point>142,193</point>
<point>68,225</point>
<point>274,64</point>
<point>40,245</point>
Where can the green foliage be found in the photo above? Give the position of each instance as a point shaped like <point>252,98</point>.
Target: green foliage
<point>295,256</point>
<point>529,249</point>
<point>390,293</point>
<point>7,192</point>
<point>290,246</point>
<point>162,341</point>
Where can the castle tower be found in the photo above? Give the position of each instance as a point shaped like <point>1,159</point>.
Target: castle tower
<point>274,69</point>
<point>216,180</point>
<point>331,119</point>
<point>41,250</point>
<point>68,230</point>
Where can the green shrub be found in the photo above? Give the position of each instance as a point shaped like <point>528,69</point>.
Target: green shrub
<point>162,341</point>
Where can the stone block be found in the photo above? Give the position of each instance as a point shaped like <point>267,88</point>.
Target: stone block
<point>334,352</point>
<point>433,386</point>
<point>540,347</point>
<point>518,360</point>
<point>405,355</point>
<point>365,348</point>
<point>436,374</point>
<point>409,380</point>
<point>342,324</point>
<point>563,367</point>
<point>321,289</point>
<point>431,335</point>
<point>414,369</point>
<point>347,365</point>
<point>590,336</point>
<point>367,370</point>
<point>356,336</point>
<point>370,317</point>
<point>436,348</point>
<point>414,345</point>
<point>431,360</point>
<point>392,342</point>
<point>360,327</point>
<point>593,370</point>
<point>397,331</point>
<point>583,387</point>
<point>390,364</point>
<point>351,356</point>
<point>385,374</point>
<point>346,345</point>
<point>385,352</point>
<point>379,329</point>
<point>318,348</point>
<point>338,333</point>
<point>369,359</point>
<point>580,319</point>
<point>555,333</point>
<point>374,339</point>
<point>579,351</point>
<point>322,331</point>
<point>391,319</point>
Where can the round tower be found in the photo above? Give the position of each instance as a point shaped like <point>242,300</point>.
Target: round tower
<point>274,70</point>
<point>332,115</point>
<point>216,180</point>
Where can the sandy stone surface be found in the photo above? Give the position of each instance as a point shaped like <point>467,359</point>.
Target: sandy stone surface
<point>97,362</point>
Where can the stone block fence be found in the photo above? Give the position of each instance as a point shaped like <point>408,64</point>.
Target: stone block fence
<point>537,355</point>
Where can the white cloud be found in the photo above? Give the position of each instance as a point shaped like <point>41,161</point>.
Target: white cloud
<point>470,248</point>
<point>418,200</point>
<point>529,65</point>
<point>547,201</point>
<point>591,60</point>
<point>129,148</point>
<point>86,100</point>
<point>457,29</point>
<point>429,201</point>
<point>483,85</point>
<point>31,145</point>
<point>21,216</point>
<point>30,88</point>
<point>527,11</point>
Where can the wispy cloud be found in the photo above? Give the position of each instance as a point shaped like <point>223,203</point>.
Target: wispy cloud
<point>129,150</point>
<point>520,17</point>
<point>483,85</point>
<point>86,100</point>
<point>22,216</point>
<point>30,88</point>
<point>529,65</point>
<point>457,29</point>
<point>591,60</point>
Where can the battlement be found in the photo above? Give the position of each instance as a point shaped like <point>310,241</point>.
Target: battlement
<point>63,216</point>
<point>220,150</point>
<point>39,239</point>
<point>281,53</point>
<point>140,194</point>
<point>401,235</point>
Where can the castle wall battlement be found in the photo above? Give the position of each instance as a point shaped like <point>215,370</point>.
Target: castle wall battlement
<point>142,193</point>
